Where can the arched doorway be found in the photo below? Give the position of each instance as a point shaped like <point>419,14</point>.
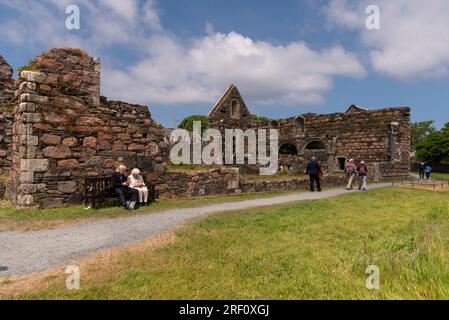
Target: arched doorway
<point>317,148</point>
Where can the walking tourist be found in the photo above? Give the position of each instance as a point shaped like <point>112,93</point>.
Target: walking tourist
<point>313,170</point>
<point>428,171</point>
<point>421,169</point>
<point>350,169</point>
<point>362,170</point>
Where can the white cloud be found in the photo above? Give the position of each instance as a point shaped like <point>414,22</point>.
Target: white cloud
<point>171,70</point>
<point>103,23</point>
<point>413,40</point>
<point>201,70</point>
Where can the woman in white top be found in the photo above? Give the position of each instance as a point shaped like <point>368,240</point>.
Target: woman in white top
<point>135,181</point>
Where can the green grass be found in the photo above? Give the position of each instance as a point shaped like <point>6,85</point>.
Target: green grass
<point>309,250</point>
<point>440,175</point>
<point>33,219</point>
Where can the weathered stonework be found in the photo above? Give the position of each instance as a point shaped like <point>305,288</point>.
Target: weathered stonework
<point>287,184</point>
<point>64,132</point>
<point>6,120</point>
<point>381,137</point>
<point>184,184</point>
<point>56,129</point>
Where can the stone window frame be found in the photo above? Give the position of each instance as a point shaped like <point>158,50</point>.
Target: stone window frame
<point>337,162</point>
<point>235,109</point>
<point>300,122</point>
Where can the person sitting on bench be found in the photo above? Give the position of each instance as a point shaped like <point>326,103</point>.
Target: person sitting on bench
<point>123,190</point>
<point>136,182</point>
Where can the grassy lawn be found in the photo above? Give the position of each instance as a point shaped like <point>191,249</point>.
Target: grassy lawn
<point>13,219</point>
<point>440,175</point>
<point>309,250</point>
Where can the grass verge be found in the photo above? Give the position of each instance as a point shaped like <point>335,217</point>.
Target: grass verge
<point>12,219</point>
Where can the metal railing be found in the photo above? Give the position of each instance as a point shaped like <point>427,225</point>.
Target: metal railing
<point>419,183</point>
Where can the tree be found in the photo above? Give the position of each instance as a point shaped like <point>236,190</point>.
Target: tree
<point>435,147</point>
<point>419,131</point>
<point>187,123</point>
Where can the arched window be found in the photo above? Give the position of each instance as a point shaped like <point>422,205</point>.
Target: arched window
<point>315,145</point>
<point>235,109</point>
<point>341,163</point>
<point>288,148</point>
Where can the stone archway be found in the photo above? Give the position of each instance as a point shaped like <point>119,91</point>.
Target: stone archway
<point>314,144</point>
<point>288,148</point>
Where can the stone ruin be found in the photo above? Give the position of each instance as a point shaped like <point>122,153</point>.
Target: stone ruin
<point>6,119</point>
<point>56,129</point>
<point>381,137</point>
<point>64,131</point>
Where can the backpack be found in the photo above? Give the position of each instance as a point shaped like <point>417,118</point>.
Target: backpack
<point>362,170</point>
<point>350,167</point>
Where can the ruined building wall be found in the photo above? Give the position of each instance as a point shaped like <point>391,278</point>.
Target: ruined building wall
<point>6,120</point>
<point>64,131</point>
<point>381,137</point>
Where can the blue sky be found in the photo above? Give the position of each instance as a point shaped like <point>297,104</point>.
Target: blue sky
<point>287,58</point>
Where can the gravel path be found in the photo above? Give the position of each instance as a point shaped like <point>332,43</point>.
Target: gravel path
<point>28,252</point>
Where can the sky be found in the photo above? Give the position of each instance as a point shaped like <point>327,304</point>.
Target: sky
<point>286,57</point>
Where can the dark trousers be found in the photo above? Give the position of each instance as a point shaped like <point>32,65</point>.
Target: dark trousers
<point>126,194</point>
<point>421,175</point>
<point>315,179</point>
<point>427,175</point>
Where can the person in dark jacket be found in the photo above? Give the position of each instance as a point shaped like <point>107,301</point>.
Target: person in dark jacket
<point>128,196</point>
<point>313,170</point>
<point>421,170</point>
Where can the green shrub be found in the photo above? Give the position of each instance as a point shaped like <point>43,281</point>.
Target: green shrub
<point>260,118</point>
<point>187,123</point>
<point>31,66</point>
<point>8,106</point>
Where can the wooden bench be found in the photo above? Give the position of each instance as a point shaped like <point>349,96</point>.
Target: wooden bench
<point>100,189</point>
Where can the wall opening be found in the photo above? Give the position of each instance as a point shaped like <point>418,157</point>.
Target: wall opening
<point>341,163</point>
<point>235,109</point>
<point>315,145</point>
<point>300,122</point>
<point>288,148</point>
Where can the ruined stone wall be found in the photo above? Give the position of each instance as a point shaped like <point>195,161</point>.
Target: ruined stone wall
<point>287,184</point>
<point>64,131</point>
<point>381,137</point>
<point>180,184</point>
<point>6,82</point>
<point>6,120</point>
